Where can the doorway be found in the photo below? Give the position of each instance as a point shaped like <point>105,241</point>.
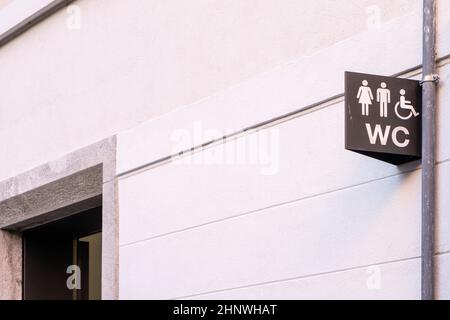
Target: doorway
<point>62,259</point>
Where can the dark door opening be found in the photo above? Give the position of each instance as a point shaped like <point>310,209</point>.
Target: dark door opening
<point>62,259</point>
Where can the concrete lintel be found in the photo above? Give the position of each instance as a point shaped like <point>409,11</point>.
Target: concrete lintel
<point>102,152</point>
<point>26,210</point>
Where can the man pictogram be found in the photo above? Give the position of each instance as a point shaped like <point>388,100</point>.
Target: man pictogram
<point>383,97</point>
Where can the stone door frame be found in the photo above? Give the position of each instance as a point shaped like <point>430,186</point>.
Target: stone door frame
<point>79,181</point>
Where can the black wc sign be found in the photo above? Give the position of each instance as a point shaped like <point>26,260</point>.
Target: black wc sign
<point>383,117</point>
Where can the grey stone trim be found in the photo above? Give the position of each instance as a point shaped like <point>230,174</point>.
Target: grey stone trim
<point>102,152</point>
<point>79,181</point>
<point>43,204</point>
<point>10,266</point>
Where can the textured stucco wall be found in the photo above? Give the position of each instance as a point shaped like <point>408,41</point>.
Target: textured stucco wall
<point>328,224</point>
<point>132,60</point>
<point>319,228</point>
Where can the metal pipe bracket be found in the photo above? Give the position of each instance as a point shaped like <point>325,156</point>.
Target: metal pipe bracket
<point>430,78</point>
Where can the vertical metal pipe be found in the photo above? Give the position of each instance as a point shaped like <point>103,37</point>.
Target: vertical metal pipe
<point>428,147</point>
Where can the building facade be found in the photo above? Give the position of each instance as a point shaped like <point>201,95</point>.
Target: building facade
<point>211,135</point>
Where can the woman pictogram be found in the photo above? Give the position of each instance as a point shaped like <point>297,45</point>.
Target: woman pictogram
<point>365,97</point>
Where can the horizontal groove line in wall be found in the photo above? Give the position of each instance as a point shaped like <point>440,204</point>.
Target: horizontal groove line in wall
<point>265,124</point>
<point>303,277</point>
<point>272,206</point>
<point>308,276</point>
<point>32,20</point>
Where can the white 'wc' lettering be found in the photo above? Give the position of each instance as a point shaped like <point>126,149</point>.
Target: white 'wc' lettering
<point>383,136</point>
<point>378,132</point>
<point>395,139</point>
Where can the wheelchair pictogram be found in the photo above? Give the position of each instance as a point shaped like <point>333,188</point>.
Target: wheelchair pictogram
<point>404,105</point>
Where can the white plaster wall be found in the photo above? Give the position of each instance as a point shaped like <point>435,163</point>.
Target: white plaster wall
<point>320,228</point>
<point>317,229</point>
<point>62,89</point>
<point>327,224</point>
